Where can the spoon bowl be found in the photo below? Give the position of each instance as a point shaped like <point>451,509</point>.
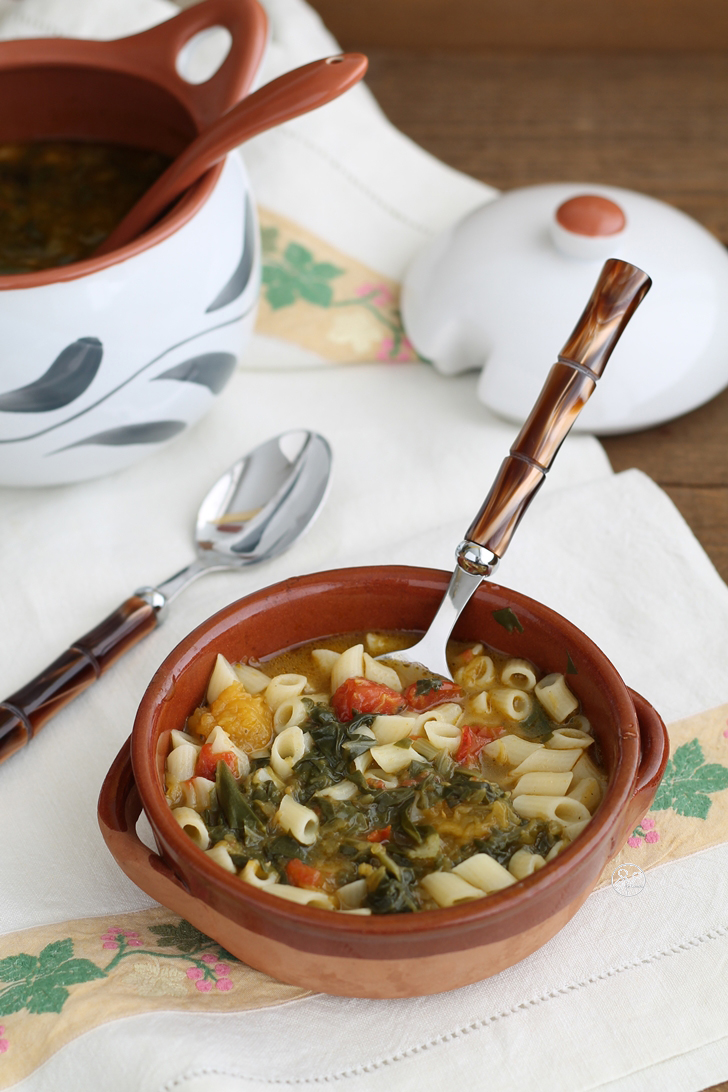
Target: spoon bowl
<point>259,507</point>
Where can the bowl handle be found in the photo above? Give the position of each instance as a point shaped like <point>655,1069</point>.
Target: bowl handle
<point>119,808</point>
<point>154,53</point>
<point>654,752</point>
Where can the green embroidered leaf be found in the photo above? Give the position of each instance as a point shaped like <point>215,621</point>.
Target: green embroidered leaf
<point>687,781</point>
<point>507,619</point>
<point>16,967</point>
<point>54,954</point>
<point>45,997</point>
<point>316,292</point>
<point>298,256</point>
<point>185,937</point>
<point>326,270</point>
<point>76,970</point>
<point>13,1000</point>
<point>39,983</point>
<point>570,668</point>
<point>712,777</point>
<point>269,239</point>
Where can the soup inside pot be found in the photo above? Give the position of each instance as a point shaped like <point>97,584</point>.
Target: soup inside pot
<point>334,780</point>
<point>59,200</point>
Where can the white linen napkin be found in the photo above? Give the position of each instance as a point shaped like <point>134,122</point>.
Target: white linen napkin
<point>414,455</point>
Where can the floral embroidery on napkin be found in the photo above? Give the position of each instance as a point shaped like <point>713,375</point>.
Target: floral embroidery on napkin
<point>687,781</point>
<point>690,810</point>
<point>325,300</point>
<point>59,981</point>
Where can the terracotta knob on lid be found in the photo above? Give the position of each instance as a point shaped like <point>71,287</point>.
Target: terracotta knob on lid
<point>588,226</point>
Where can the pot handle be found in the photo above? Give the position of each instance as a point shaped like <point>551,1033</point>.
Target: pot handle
<point>119,808</point>
<point>654,752</point>
<point>154,53</point>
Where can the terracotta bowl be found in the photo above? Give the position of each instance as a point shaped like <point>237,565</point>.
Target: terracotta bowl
<point>388,956</point>
<point>105,359</point>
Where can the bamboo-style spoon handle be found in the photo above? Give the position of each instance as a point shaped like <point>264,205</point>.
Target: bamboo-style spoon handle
<point>570,383</point>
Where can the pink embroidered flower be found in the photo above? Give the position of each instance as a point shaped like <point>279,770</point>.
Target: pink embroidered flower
<point>110,944</point>
<point>224,984</point>
<point>203,985</point>
<point>209,958</point>
<point>725,733</point>
<point>382,294</point>
<point>194,973</point>
<point>652,836</point>
<point>221,969</point>
<point>647,824</point>
<point>128,933</point>
<point>134,943</point>
<point>635,843</point>
<point>385,348</point>
<point>4,1044</point>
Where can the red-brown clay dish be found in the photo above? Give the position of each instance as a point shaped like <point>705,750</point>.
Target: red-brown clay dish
<point>391,955</point>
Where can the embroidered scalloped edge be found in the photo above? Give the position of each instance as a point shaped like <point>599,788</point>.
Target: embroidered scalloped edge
<point>450,1036</point>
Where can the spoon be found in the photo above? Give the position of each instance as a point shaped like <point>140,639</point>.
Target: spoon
<point>257,509</point>
<point>620,289</point>
<point>287,97</point>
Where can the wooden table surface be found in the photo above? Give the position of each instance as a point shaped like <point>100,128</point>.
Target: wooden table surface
<point>651,122</point>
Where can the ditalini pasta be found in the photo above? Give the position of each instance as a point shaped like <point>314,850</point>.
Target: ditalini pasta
<point>335,781</point>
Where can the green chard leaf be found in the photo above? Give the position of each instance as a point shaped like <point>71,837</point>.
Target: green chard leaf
<point>235,806</point>
<point>508,619</point>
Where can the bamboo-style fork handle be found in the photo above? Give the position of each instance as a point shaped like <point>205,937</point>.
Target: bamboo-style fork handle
<point>618,292</point>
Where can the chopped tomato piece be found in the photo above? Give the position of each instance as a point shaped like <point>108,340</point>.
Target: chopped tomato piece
<point>302,875</point>
<point>427,693</point>
<point>472,742</point>
<point>207,761</point>
<point>358,695</point>
<point>467,656</point>
<point>382,835</point>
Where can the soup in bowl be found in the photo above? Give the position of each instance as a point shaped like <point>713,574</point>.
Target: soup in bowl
<point>444,858</point>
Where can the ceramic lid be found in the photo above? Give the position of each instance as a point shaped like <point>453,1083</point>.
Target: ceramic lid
<point>504,287</point>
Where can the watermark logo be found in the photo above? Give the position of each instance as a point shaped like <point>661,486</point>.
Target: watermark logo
<point>628,879</point>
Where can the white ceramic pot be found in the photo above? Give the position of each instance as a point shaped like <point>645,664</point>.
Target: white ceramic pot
<point>104,360</point>
<point>97,372</point>
<point>504,287</point>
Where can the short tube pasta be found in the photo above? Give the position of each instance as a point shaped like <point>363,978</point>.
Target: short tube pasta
<point>284,688</point>
<point>561,809</point>
<point>555,697</point>
<point>449,889</point>
<point>518,673</point>
<point>524,863</point>
<point>350,665</point>
<point>516,704</point>
<point>380,673</point>
<point>299,821</point>
<point>181,762</point>
<point>569,738</point>
<point>512,750</point>
<point>543,784</point>
<point>288,749</point>
<point>220,855</point>
<point>444,736</point>
<point>588,792</point>
<point>290,713</point>
<point>485,873</point>
<point>254,681</point>
<point>547,761</point>
<point>192,825</point>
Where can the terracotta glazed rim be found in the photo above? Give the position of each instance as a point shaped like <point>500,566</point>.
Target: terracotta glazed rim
<point>320,925</point>
<point>148,59</point>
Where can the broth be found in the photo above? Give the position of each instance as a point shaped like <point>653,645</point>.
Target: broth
<point>59,200</point>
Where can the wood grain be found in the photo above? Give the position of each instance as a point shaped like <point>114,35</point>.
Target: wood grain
<point>653,123</point>
<point>469,25</point>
